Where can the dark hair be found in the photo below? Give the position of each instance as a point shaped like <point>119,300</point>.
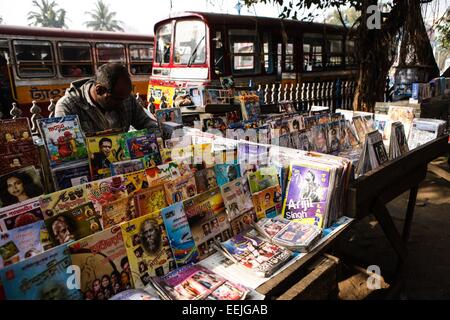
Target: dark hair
<point>30,187</point>
<point>109,74</point>
<point>123,262</point>
<point>104,140</point>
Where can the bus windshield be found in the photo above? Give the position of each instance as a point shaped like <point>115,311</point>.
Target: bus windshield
<point>190,43</point>
<point>163,41</point>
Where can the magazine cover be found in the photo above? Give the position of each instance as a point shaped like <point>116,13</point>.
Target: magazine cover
<point>126,136</point>
<point>20,215</point>
<point>103,262</point>
<point>21,243</point>
<point>150,200</point>
<point>103,150</point>
<point>262,179</point>
<point>180,189</point>
<point>255,254</point>
<point>13,157</point>
<point>307,196</point>
<point>147,145</point>
<point>135,181</point>
<point>15,130</point>
<point>297,236</point>
<point>73,224</point>
<point>63,200</point>
<point>269,227</point>
<point>319,134</point>
<point>226,173</point>
<point>250,107</point>
<point>70,175</point>
<point>195,282</point>
<point>207,219</point>
<point>236,197</point>
<point>241,223</point>
<point>118,211</point>
<point>164,172</point>
<point>205,180</point>
<point>334,133</point>
<point>127,166</point>
<point>63,139</point>
<point>148,249</point>
<point>19,186</point>
<point>170,114</point>
<point>267,202</point>
<point>179,234</point>
<point>42,277</point>
<point>103,191</point>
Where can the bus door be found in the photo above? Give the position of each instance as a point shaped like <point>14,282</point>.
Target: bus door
<point>6,84</point>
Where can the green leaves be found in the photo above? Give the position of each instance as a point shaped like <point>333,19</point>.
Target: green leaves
<point>47,15</point>
<point>103,19</point>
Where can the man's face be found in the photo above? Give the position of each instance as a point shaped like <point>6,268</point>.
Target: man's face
<point>150,236</point>
<point>106,148</point>
<point>113,99</point>
<point>61,231</point>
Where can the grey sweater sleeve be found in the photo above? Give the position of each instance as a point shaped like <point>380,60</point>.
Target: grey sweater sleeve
<point>64,107</point>
<point>139,119</point>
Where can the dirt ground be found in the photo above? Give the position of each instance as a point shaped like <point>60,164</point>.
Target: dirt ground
<point>427,271</point>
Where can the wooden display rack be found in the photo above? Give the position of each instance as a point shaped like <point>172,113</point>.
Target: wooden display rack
<point>368,195</point>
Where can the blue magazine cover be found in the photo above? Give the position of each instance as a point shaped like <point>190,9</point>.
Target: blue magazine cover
<point>42,277</point>
<point>179,234</point>
<point>227,172</point>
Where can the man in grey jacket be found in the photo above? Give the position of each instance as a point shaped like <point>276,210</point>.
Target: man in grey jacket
<point>104,102</point>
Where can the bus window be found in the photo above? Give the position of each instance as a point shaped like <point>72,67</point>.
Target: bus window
<point>34,58</point>
<point>4,50</point>
<point>110,52</point>
<point>219,62</point>
<point>190,43</point>
<point>243,52</point>
<point>312,52</point>
<point>289,57</point>
<point>350,52</point>
<point>141,58</point>
<point>335,51</point>
<point>163,42</point>
<point>268,54</point>
<point>76,59</point>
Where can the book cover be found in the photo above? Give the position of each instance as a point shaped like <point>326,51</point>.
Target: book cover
<point>308,194</point>
<point>135,181</point>
<point>242,223</point>
<point>20,215</point>
<point>13,157</point>
<point>162,173</point>
<point>205,180</point>
<point>103,150</point>
<point>15,131</point>
<point>207,219</point>
<point>250,107</point>
<point>169,114</point>
<point>63,200</point>
<point>269,227</point>
<point>148,249</point>
<point>297,236</point>
<point>226,172</point>
<point>236,197</point>
<point>19,186</point>
<point>255,254</point>
<point>21,243</point>
<point>72,175</point>
<point>103,191</point>
<point>42,277</point>
<point>118,211</point>
<point>103,262</point>
<point>179,234</point>
<point>147,145</point>
<point>73,224</point>
<point>150,200</point>
<point>195,282</point>
<point>180,189</point>
<point>267,202</point>
<point>127,166</point>
<point>262,179</point>
<point>319,134</point>
<point>63,138</point>
<point>127,136</point>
